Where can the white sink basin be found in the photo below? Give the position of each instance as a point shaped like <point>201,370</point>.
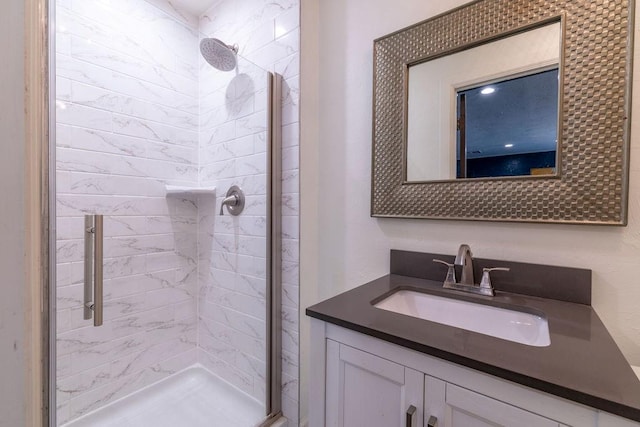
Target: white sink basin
<point>524,328</point>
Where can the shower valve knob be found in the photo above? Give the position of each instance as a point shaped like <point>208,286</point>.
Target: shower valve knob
<point>234,201</point>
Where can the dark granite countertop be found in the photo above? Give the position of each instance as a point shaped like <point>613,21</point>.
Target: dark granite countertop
<point>582,364</point>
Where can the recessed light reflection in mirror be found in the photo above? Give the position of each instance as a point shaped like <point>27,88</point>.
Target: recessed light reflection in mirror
<point>512,132</point>
<point>432,101</point>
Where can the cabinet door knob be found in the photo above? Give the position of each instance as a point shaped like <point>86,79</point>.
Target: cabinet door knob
<point>410,412</point>
<point>433,421</point>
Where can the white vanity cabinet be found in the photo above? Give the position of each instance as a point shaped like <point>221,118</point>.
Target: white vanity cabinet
<point>358,380</point>
<point>364,390</point>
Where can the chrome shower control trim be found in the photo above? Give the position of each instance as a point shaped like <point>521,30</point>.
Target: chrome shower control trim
<point>234,201</point>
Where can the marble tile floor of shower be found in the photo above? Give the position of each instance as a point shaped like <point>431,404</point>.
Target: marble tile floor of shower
<point>191,398</point>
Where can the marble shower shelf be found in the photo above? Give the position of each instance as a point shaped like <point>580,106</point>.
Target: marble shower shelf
<point>181,190</point>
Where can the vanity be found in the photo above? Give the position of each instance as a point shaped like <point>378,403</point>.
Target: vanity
<point>374,365</point>
<point>525,348</point>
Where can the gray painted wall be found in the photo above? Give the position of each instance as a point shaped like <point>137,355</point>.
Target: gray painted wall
<point>12,221</point>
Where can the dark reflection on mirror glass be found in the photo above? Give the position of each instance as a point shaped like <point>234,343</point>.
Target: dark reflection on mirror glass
<point>508,128</point>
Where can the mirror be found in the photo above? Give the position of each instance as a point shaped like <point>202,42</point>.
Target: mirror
<point>508,127</point>
<point>579,177</point>
<point>499,100</point>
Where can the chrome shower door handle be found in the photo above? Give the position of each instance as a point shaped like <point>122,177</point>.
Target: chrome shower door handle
<point>88,265</point>
<point>93,268</point>
<point>98,276</point>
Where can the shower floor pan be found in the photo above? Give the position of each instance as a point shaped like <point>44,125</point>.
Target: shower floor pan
<point>191,398</point>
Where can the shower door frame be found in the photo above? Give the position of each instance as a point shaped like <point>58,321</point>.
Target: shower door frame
<point>41,55</point>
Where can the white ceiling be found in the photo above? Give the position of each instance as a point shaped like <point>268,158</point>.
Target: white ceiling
<point>194,7</point>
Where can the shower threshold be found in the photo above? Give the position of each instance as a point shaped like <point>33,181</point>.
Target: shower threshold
<point>193,397</point>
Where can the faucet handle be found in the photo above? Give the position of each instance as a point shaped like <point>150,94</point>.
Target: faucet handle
<point>451,272</point>
<point>488,270</point>
<point>448,264</point>
<point>485,283</point>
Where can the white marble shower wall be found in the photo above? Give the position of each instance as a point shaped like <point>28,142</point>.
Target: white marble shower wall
<point>233,151</point>
<point>127,123</point>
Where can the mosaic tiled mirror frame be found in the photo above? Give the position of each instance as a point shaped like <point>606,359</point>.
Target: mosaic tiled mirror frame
<point>591,185</point>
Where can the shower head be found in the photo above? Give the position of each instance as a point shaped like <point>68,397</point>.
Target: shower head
<point>219,54</point>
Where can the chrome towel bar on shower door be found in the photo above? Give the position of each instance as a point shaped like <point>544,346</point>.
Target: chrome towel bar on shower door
<point>93,277</point>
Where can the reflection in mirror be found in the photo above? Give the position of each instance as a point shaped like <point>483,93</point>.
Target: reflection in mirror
<point>522,69</point>
<point>509,127</point>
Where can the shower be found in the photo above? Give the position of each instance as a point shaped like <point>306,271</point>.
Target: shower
<point>172,315</point>
<point>218,54</point>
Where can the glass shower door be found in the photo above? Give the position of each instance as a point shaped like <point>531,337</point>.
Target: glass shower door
<point>151,137</point>
<point>233,257</point>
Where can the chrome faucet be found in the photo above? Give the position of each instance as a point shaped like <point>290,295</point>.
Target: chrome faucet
<point>464,259</point>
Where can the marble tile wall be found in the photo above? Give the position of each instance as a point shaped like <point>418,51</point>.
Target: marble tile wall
<point>232,150</point>
<point>127,124</point>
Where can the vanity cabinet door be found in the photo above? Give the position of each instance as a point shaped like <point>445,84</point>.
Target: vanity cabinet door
<point>363,390</point>
<point>464,408</point>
